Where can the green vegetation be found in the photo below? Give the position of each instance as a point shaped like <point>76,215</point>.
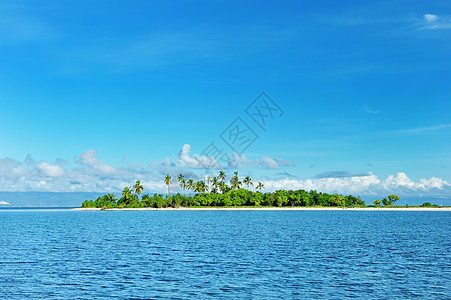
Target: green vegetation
<point>214,191</point>
<point>427,204</point>
<point>388,201</point>
<point>167,181</point>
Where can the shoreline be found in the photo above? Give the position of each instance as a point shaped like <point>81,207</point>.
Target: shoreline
<point>272,209</point>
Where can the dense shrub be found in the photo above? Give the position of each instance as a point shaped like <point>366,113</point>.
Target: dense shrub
<point>237,197</point>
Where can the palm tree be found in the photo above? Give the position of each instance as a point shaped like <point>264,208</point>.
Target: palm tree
<point>190,185</point>
<point>208,180</point>
<point>205,188</point>
<point>260,186</point>
<point>214,184</point>
<point>222,186</point>
<point>248,181</point>
<point>138,187</point>
<point>126,194</point>
<point>222,175</point>
<point>235,182</point>
<point>167,181</point>
<point>200,187</point>
<point>182,182</point>
<point>111,197</point>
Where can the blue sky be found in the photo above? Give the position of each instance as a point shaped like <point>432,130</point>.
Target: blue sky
<point>97,94</point>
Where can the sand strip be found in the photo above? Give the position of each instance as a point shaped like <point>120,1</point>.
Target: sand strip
<point>401,208</point>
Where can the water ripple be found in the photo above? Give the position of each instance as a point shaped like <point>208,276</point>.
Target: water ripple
<point>179,255</point>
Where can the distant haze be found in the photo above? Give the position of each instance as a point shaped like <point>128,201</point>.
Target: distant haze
<point>44,199</point>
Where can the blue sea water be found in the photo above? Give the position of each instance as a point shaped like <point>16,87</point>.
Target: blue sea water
<point>212,254</point>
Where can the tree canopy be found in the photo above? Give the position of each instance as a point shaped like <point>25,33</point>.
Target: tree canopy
<point>214,191</point>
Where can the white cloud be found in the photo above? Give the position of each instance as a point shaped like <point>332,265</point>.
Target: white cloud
<point>50,169</point>
<point>12,168</point>
<point>269,162</point>
<point>197,161</point>
<point>402,181</point>
<point>432,182</point>
<point>4,203</point>
<point>365,185</point>
<point>91,174</point>
<point>345,185</point>
<point>430,18</point>
<point>89,158</point>
<point>431,21</point>
<point>239,161</point>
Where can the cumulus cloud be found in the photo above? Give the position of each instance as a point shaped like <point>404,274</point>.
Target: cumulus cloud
<point>92,174</point>
<point>269,162</point>
<point>402,181</point>
<point>239,161</point>
<point>196,161</point>
<point>351,185</point>
<point>365,185</point>
<point>89,158</point>
<point>50,169</point>
<point>4,203</point>
<point>12,168</point>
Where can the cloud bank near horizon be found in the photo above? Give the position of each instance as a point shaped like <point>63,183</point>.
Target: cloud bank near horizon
<point>367,185</point>
<point>92,174</point>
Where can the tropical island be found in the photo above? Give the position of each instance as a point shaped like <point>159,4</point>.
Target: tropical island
<point>215,192</point>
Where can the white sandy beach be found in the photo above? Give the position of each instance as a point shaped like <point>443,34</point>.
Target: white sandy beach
<point>401,208</point>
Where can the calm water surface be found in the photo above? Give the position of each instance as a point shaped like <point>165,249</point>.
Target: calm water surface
<point>211,254</point>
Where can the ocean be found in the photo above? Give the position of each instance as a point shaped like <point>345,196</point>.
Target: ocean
<point>66,254</point>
